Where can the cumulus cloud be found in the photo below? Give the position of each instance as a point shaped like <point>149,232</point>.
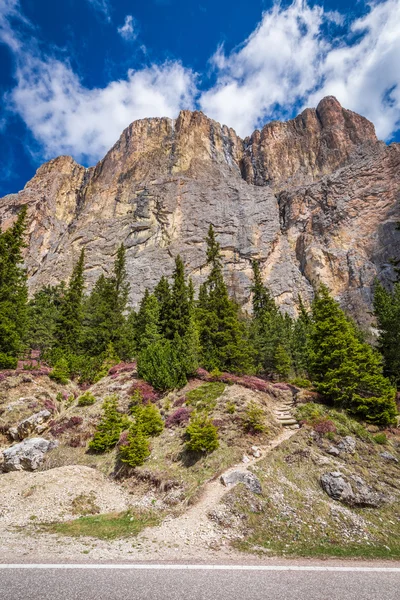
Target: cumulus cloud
<point>295,56</point>
<point>128,30</point>
<point>67,118</point>
<point>289,60</point>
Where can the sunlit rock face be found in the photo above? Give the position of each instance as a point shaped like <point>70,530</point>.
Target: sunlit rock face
<point>315,199</point>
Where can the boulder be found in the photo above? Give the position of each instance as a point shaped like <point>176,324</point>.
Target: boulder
<point>387,456</point>
<point>255,450</point>
<point>249,479</point>
<point>347,445</point>
<point>36,423</point>
<point>27,455</point>
<point>333,451</point>
<point>356,493</point>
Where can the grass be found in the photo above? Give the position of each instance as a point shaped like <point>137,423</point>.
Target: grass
<point>294,516</point>
<point>205,397</point>
<point>110,526</point>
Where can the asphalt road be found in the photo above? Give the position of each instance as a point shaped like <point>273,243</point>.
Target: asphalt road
<point>152,582</point>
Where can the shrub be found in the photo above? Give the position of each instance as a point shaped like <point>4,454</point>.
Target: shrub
<point>325,426</point>
<point>87,399</point>
<point>7,362</point>
<point>380,438</point>
<point>134,446</point>
<point>205,397</point>
<point>254,419</point>
<point>178,418</point>
<point>60,373</point>
<point>202,435</point>
<point>179,401</point>
<point>301,382</point>
<point>159,365</point>
<point>310,413</point>
<point>147,392</point>
<point>110,427</point>
<point>230,407</point>
<point>60,427</point>
<point>149,418</point>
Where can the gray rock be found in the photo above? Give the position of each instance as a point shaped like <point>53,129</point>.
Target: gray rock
<point>33,424</point>
<point>249,479</point>
<point>333,451</point>
<point>336,485</point>
<point>387,456</point>
<point>255,450</point>
<point>27,455</point>
<point>347,445</point>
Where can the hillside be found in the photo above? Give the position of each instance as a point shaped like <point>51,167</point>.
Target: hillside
<point>314,200</point>
<point>177,507</point>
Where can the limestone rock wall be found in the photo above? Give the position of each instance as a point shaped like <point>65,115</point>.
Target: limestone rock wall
<point>314,199</point>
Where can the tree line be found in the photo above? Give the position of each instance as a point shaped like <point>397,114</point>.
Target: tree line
<point>172,333</point>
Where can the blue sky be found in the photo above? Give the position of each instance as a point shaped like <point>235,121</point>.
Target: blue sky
<point>75,73</point>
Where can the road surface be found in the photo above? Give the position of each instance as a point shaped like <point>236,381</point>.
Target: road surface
<point>288,581</point>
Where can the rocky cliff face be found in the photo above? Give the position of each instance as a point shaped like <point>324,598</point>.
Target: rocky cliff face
<point>315,199</point>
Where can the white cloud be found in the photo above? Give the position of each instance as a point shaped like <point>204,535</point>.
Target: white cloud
<point>128,30</point>
<point>102,7</point>
<point>67,118</point>
<point>288,60</point>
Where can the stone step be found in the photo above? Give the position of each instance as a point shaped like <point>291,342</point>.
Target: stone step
<point>287,422</point>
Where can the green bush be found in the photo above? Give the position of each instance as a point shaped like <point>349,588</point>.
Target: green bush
<point>254,419</point>
<point>159,365</point>
<point>202,435</point>
<point>87,399</point>
<point>380,438</point>
<point>7,361</point>
<point>110,427</point>
<point>301,382</point>
<point>310,413</point>
<point>60,373</point>
<point>230,407</point>
<point>149,418</point>
<point>134,448</point>
<point>205,397</point>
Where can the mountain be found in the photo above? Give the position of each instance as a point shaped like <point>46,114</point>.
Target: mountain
<point>315,199</point>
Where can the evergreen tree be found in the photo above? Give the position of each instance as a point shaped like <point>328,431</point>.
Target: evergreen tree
<point>162,292</point>
<point>134,450</point>
<point>346,370</point>
<point>43,315</point>
<point>110,427</point>
<point>202,435</point>
<point>271,331</point>
<point>69,325</point>
<point>282,362</point>
<point>180,315</point>
<point>13,292</point>
<point>387,311</point>
<point>301,341</point>
<point>222,335</point>
<point>105,321</point>
<point>147,320</point>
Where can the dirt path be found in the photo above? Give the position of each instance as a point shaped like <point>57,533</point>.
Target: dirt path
<point>194,528</point>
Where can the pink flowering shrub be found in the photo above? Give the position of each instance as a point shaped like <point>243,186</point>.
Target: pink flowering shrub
<point>147,392</point>
<point>122,367</point>
<point>60,427</point>
<point>179,401</point>
<point>179,417</point>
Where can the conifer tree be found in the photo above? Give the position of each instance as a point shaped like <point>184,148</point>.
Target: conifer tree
<point>135,448</point>
<point>13,292</point>
<point>147,322</point>
<point>387,311</point>
<point>346,370</point>
<point>222,335</point>
<point>110,427</point>
<point>69,326</point>
<point>43,315</point>
<point>162,292</point>
<point>105,321</point>
<point>270,328</point>
<point>300,341</point>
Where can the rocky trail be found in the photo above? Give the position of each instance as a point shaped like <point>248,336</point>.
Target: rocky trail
<point>197,527</point>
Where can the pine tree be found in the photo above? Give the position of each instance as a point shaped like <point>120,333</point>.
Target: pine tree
<point>110,427</point>
<point>387,311</point>
<point>180,316</point>
<point>43,315</point>
<point>135,448</point>
<point>346,370</point>
<point>69,325</point>
<point>222,335</point>
<point>202,435</point>
<point>162,292</point>
<point>147,322</point>
<point>282,362</point>
<point>270,329</point>
<point>105,321</point>
<point>13,292</point>
<point>300,341</point>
